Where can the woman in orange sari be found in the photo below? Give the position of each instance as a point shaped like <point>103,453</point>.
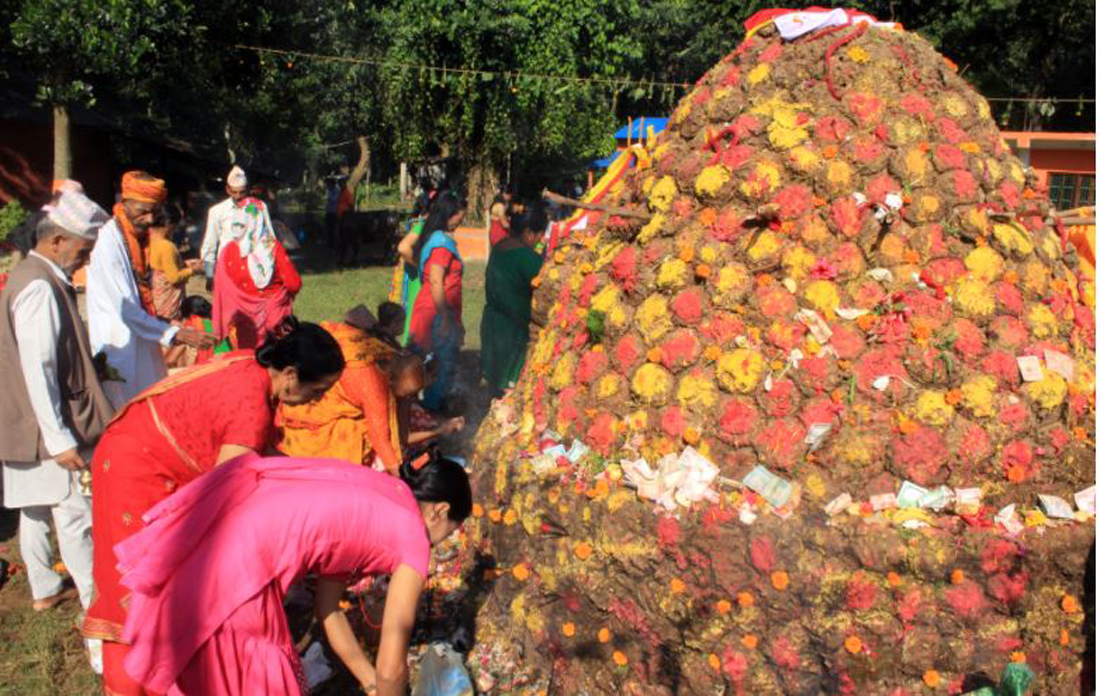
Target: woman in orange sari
<point>177,430</point>
<point>364,418</point>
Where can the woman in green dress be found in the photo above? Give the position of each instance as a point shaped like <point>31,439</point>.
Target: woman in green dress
<point>513,264</point>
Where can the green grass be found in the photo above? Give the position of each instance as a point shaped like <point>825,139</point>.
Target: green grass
<point>328,295</point>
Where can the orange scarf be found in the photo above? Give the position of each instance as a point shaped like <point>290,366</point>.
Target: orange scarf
<point>139,249</point>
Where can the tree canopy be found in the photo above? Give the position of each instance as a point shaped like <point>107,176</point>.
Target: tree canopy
<point>520,85</point>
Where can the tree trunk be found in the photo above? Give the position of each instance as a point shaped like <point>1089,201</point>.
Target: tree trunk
<point>480,189</point>
<point>403,183</point>
<point>62,144</point>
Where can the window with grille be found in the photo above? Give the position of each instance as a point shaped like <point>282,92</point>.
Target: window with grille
<point>1072,190</point>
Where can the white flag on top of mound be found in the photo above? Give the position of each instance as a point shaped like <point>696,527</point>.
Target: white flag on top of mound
<point>795,24</point>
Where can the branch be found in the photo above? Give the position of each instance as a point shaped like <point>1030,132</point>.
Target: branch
<point>621,212</point>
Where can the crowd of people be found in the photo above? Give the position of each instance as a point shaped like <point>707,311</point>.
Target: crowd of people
<point>198,458</point>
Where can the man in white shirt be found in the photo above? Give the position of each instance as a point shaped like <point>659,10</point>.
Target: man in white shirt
<point>121,319</point>
<point>219,226</point>
<point>54,408</point>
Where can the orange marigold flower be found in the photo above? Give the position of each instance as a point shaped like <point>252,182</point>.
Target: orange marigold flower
<point>568,629</point>
<point>1070,605</point>
<point>866,321</point>
<point>853,644</point>
<point>691,436</point>
<point>583,550</point>
<point>604,635</point>
<point>749,641</point>
<point>1017,473</point>
<point>654,355</point>
<point>619,658</point>
<point>953,397</point>
<point>764,280</point>
<point>912,256</point>
<point>931,678</point>
<point>893,579</point>
<point>687,254</point>
<point>677,586</point>
<point>1018,657</point>
<point>702,271</point>
<point>712,353</point>
<point>906,425</point>
<point>780,580</point>
<point>521,572</point>
<point>344,604</point>
<point>723,606</point>
<point>714,662</point>
<point>708,216</point>
<point>1063,639</point>
<point>958,577</point>
<point>1011,276</point>
<point>745,599</point>
<point>536,281</point>
<point>829,152</point>
<point>495,515</point>
<point>477,510</point>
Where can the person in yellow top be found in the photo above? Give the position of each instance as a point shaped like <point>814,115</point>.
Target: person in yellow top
<point>170,273</point>
<point>360,419</point>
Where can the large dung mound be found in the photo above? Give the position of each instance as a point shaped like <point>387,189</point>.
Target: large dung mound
<point>831,266</point>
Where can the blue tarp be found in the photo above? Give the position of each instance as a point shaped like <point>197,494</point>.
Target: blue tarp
<point>605,162</point>
<point>634,129</point>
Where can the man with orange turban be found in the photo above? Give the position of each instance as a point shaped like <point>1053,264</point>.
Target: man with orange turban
<point>121,319</point>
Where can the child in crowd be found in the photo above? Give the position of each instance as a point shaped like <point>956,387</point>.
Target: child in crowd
<point>195,312</point>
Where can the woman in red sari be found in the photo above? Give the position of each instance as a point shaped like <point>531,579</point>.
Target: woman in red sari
<point>255,281</point>
<point>177,430</point>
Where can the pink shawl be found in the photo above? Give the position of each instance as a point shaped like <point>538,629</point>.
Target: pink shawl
<point>219,541</point>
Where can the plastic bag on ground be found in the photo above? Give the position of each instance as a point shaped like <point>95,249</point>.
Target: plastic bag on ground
<point>442,673</point>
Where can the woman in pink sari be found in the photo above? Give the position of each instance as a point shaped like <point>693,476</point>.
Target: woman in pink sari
<point>255,281</point>
<point>211,569</point>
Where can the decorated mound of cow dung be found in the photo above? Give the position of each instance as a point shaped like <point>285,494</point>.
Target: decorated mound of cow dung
<point>768,437</point>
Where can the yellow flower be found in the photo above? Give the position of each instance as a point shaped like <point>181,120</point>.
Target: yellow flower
<point>985,264</point>
<point>933,409</point>
<point>741,370</point>
<point>663,193</point>
<point>711,180</point>
<point>1049,392</point>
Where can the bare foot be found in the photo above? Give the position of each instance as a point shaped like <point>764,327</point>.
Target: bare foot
<point>54,600</point>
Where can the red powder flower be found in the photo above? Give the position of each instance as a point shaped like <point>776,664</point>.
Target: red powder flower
<point>999,555</point>
<point>949,157</point>
<point>628,352</point>
<point>776,301</point>
<point>601,434</point>
<point>1008,589</point>
<point>973,445</point>
<point>1016,416</point>
<point>794,201</point>
<point>951,131</point>
<point>722,329</point>
<point>966,600</point>
<point>668,531</point>
<point>1018,462</point>
<point>880,186</point>
<point>966,187</point>
<point>865,107</point>
<point>831,129</point>
<point>860,593</point>
<point>921,455</point>
<point>846,216</point>
<point>867,150</point>
<point>687,306</point>
<point>735,156</point>
<point>739,419</point>
<point>1010,331</point>
<point>1009,298</point>
<point>969,341</point>
<point>918,106</point>
<point>672,421</point>
<point>1010,194</point>
<point>624,267</point>
<point>847,342</point>
<point>945,271</point>
<point>728,226</point>
<point>780,442</point>
<point>681,348</point>
<point>762,553</point>
<point>592,364</point>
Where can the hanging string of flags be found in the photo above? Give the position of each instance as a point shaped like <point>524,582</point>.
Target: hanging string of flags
<point>290,56</point>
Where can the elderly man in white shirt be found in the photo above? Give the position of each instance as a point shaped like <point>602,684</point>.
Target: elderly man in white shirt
<point>219,222</point>
<point>121,319</point>
<point>54,408</point>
